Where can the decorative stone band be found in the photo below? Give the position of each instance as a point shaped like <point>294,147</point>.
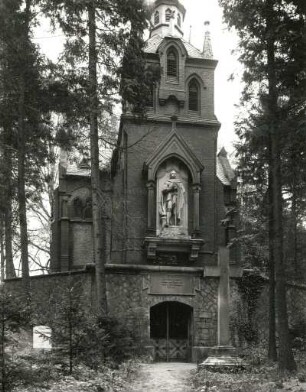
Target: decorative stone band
<point>191,246</point>
<point>113,268</point>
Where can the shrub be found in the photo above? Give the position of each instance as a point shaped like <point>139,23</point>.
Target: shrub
<point>13,315</point>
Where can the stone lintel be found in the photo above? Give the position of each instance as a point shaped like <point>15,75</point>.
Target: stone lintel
<point>191,246</point>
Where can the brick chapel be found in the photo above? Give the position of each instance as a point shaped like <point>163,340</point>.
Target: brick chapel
<point>169,221</point>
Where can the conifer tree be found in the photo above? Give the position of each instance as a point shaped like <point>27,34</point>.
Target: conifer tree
<point>26,102</point>
<point>272,38</point>
<point>110,27</point>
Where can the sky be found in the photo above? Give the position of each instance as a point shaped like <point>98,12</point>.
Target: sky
<point>227,92</point>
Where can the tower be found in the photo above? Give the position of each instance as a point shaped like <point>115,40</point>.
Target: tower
<point>165,201</point>
<point>178,137</point>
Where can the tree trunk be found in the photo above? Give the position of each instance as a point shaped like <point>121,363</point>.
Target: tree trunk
<point>285,355</point>
<point>21,156</point>
<point>2,347</point>
<point>8,236</point>
<point>272,353</point>
<point>97,198</point>
<point>21,191</point>
<point>294,223</point>
<point>2,257</point>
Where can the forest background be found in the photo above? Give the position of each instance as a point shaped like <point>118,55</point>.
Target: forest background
<point>69,104</point>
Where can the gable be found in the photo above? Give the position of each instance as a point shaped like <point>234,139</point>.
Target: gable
<point>174,146</point>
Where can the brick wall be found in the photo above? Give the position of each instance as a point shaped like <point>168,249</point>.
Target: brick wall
<point>202,141</point>
<point>43,287</point>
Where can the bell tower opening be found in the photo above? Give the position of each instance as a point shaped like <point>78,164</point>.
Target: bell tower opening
<point>167,18</point>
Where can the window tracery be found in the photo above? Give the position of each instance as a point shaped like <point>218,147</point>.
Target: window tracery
<point>172,63</point>
<point>81,209</point>
<point>193,96</point>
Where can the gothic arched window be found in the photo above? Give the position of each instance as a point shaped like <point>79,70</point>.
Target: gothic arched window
<point>168,14</point>
<point>179,20</point>
<point>77,208</point>
<point>193,96</point>
<point>156,17</point>
<point>172,63</point>
<point>87,211</point>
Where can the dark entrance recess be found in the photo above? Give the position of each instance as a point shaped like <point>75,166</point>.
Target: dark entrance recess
<point>171,331</point>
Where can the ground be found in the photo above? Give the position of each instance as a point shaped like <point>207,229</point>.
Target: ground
<point>136,376</point>
<point>163,377</point>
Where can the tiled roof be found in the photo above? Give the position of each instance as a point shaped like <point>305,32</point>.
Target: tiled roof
<point>75,170</point>
<point>192,51</point>
<point>153,43</point>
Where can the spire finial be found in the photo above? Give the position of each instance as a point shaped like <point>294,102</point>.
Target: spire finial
<point>190,29</point>
<point>207,48</point>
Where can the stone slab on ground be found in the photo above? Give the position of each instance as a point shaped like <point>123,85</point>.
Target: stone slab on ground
<point>163,377</point>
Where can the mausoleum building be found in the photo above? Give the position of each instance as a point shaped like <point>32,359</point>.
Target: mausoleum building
<point>169,213</point>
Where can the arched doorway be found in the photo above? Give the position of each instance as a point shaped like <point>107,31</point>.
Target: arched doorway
<point>171,331</point>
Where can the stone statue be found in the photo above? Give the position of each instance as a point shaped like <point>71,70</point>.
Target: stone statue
<point>172,201</point>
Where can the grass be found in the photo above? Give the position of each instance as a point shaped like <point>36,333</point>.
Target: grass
<point>83,379</point>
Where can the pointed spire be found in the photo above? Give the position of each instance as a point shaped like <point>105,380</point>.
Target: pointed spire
<point>207,48</point>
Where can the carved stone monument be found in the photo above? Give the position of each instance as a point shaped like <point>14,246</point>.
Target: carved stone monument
<point>224,355</point>
<point>172,201</point>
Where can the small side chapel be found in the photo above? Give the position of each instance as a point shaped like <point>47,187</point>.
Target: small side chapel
<point>169,213</point>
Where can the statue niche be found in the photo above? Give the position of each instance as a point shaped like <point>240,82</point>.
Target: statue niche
<point>172,200</point>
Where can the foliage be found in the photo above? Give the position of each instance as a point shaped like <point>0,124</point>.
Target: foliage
<point>245,321</point>
<point>80,335</point>
<point>298,333</point>
<point>272,37</point>
<point>119,56</point>
<point>84,378</point>
<point>29,93</point>
<point>13,315</point>
<point>254,128</point>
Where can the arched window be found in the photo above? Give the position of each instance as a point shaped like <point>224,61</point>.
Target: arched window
<point>172,64</point>
<point>156,17</point>
<point>77,208</point>
<point>168,14</point>
<point>179,20</point>
<point>193,96</point>
<point>87,211</point>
